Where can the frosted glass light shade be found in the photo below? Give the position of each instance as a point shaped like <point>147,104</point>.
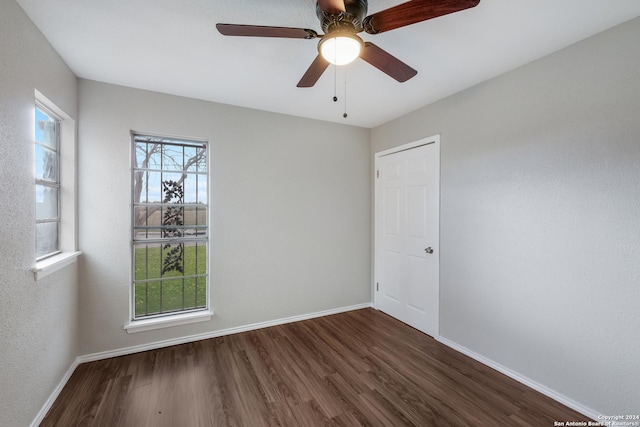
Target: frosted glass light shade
<point>341,49</point>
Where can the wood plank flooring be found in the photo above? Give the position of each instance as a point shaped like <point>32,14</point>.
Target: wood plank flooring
<point>361,368</point>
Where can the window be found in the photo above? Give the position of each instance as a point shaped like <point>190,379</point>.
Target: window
<point>170,231</point>
<point>54,166</point>
<point>47,161</point>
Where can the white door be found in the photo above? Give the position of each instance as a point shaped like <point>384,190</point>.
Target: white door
<point>407,206</point>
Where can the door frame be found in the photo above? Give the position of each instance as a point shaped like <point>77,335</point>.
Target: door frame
<point>435,140</point>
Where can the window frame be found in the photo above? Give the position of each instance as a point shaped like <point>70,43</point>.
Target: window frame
<point>67,195</point>
<point>145,322</point>
<point>52,184</point>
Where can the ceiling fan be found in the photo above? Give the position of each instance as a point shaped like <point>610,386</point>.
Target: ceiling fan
<point>342,20</point>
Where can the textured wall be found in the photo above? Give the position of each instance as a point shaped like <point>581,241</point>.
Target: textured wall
<point>540,230</point>
<point>290,214</point>
<point>38,324</point>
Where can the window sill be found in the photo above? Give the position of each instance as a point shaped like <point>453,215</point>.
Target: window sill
<point>52,264</point>
<point>135,326</point>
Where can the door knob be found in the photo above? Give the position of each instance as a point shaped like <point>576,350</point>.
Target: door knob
<point>429,250</point>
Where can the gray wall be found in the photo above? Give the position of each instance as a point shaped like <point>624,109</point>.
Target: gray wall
<point>38,320</point>
<point>289,216</point>
<point>540,218</point>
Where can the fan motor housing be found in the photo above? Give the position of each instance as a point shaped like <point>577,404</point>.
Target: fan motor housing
<point>351,20</point>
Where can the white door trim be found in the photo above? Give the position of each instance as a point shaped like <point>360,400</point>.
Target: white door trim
<point>435,139</point>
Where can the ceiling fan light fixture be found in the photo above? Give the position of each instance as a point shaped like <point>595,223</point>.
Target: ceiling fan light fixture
<point>340,48</point>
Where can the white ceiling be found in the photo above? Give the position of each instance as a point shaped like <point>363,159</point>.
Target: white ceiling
<point>173,47</point>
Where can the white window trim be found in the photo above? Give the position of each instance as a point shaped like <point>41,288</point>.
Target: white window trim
<point>68,207</point>
<point>167,321</point>
<point>54,263</point>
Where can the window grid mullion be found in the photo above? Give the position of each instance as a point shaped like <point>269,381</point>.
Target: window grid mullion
<point>160,279</point>
<point>50,184</point>
<point>47,220</point>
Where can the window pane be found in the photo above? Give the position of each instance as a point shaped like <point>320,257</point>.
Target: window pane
<point>152,185</point>
<point>190,159</point>
<point>202,189</point>
<point>201,214</point>
<point>173,158</point>
<point>141,155</point>
<point>190,187</point>
<point>172,187</point>
<point>195,259</point>
<point>176,292</point>
<point>46,202</point>
<point>148,297</point>
<point>201,292</point>
<point>147,261</point>
<point>141,299</point>
<point>190,293</point>
<point>142,216</point>
<point>148,233</point>
<point>45,129</point>
<point>154,153</point>
<point>202,160</point>
<point>173,259</point>
<point>195,221</point>
<point>200,255</point>
<point>173,295</point>
<point>46,238</point>
<point>195,214</point>
<point>147,221</point>
<point>46,164</point>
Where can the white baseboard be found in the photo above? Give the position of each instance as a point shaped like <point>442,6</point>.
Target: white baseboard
<point>588,412</point>
<point>215,334</point>
<point>182,340</point>
<point>54,395</point>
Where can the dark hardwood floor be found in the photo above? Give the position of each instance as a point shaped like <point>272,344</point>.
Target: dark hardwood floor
<point>356,368</point>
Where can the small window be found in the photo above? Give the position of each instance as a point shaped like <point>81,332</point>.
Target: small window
<point>55,169</point>
<point>47,183</point>
<point>170,230</point>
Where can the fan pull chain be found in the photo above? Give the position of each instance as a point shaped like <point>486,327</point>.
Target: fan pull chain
<point>335,83</point>
<point>345,93</point>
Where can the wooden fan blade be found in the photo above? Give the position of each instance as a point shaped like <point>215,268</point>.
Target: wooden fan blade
<point>313,72</point>
<point>334,7</point>
<point>265,31</point>
<point>412,12</point>
<point>387,63</point>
